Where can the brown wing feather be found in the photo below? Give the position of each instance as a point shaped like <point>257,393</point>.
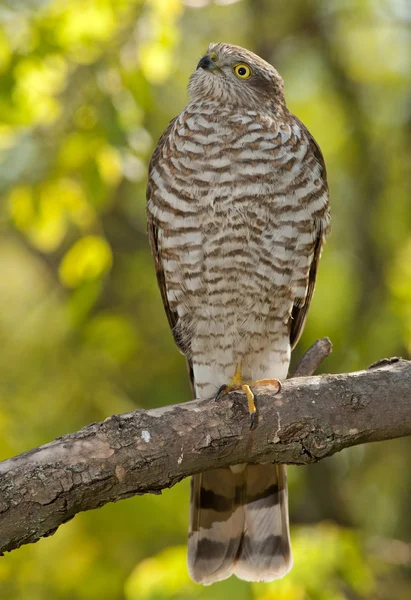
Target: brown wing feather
<point>299,312</point>
<point>171,314</point>
<point>152,230</point>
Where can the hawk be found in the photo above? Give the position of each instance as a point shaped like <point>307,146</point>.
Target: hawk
<point>237,205</point>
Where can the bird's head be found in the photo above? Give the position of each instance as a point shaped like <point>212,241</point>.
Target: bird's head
<point>231,75</point>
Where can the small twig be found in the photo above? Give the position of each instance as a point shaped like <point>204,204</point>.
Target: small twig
<point>312,359</point>
<point>392,551</point>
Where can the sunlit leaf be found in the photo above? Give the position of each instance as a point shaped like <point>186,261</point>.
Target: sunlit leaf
<point>89,258</point>
<point>109,165</point>
<point>37,85</point>
<point>5,52</point>
<point>325,556</point>
<point>165,576</point>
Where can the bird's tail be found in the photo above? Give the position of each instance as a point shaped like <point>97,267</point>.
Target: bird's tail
<point>239,524</point>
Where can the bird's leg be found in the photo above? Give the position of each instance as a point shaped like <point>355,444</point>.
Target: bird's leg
<point>236,383</point>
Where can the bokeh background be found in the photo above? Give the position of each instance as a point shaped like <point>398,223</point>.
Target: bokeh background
<point>86,88</point>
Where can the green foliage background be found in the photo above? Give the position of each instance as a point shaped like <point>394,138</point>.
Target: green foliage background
<point>86,88</point>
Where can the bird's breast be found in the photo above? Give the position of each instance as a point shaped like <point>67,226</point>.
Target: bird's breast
<point>226,216</point>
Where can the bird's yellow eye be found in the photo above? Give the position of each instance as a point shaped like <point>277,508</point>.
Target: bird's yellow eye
<point>242,71</point>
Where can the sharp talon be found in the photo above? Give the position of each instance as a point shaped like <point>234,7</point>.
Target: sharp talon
<point>253,421</point>
<point>280,387</point>
<point>223,388</point>
<point>251,404</point>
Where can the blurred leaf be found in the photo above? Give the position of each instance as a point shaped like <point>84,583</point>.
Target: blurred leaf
<point>109,165</point>
<point>89,258</point>
<point>165,576</point>
<point>328,562</point>
<point>112,335</point>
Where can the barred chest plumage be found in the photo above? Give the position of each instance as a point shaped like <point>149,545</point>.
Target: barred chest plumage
<point>236,197</point>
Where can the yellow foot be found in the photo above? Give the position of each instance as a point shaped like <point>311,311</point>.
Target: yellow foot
<point>251,405</point>
<point>274,382</point>
<point>236,383</point>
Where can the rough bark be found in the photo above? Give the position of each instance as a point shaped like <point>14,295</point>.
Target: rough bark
<point>146,451</point>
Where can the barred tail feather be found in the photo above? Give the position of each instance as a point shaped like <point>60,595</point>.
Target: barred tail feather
<point>216,525</point>
<point>265,552</point>
<point>239,524</point>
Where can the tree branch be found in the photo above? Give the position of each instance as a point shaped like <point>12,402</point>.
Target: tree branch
<point>146,451</point>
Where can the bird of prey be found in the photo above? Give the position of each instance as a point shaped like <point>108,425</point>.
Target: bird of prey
<point>237,205</point>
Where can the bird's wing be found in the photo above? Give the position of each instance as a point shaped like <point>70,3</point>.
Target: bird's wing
<point>152,229</point>
<point>299,311</point>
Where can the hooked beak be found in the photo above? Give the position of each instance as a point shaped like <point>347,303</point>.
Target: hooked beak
<point>207,63</point>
